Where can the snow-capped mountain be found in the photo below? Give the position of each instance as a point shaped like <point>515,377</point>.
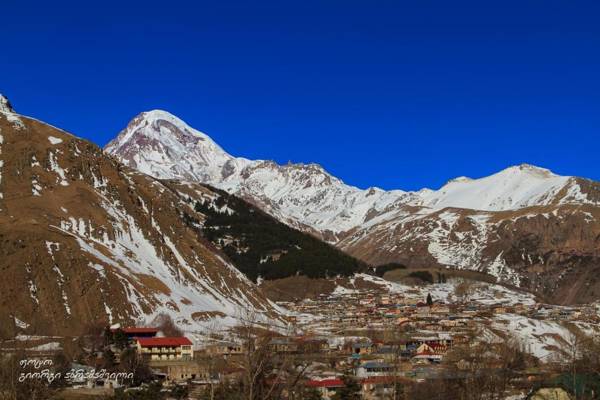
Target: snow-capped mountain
<point>305,195</point>
<point>86,240</point>
<point>302,195</point>
<point>525,225</point>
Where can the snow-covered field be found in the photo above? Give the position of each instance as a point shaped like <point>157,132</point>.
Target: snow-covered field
<point>481,293</point>
<point>543,338</point>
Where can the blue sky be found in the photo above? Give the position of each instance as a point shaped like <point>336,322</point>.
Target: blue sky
<point>395,94</point>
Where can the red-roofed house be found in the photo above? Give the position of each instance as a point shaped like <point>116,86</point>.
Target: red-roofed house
<point>435,348</point>
<point>165,348</point>
<point>326,387</point>
<point>427,356</point>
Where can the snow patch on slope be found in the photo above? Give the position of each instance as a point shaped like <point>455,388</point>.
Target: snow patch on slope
<point>131,256</point>
<point>54,140</point>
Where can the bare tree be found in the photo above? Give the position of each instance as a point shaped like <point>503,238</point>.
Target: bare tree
<point>165,324</point>
<point>268,374</point>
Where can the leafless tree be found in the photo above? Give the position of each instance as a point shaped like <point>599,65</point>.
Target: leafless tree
<point>268,374</point>
<point>165,324</point>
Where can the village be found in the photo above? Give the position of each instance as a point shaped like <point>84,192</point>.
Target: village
<point>385,344</point>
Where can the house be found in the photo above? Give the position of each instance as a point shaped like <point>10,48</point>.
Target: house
<point>225,349</point>
<point>550,394</point>
<point>434,348</point>
<point>165,348</point>
<point>450,323</point>
<point>426,357</point>
<point>362,348</point>
<point>283,345</point>
<point>312,345</point>
<point>374,368</point>
<point>391,353</point>
<point>381,387</point>
<point>177,371</point>
<point>326,387</point>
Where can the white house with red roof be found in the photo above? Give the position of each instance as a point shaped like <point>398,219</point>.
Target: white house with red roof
<point>165,348</point>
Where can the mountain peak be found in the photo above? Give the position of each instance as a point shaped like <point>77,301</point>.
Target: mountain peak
<point>162,145</point>
<point>156,117</point>
<point>530,169</point>
<point>157,114</point>
<point>460,179</point>
<point>5,105</point>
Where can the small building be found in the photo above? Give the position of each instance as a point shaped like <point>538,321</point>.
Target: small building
<point>426,357</point>
<point>435,348</point>
<point>283,345</point>
<point>374,368</point>
<point>225,349</point>
<point>178,371</point>
<point>165,348</point>
<point>362,348</point>
<point>381,387</point>
<point>550,394</point>
<point>326,387</point>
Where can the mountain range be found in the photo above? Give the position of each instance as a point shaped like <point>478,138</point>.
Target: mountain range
<point>164,221</point>
<point>525,225</point>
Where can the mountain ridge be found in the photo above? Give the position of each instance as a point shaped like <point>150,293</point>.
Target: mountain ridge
<point>278,188</point>
<point>490,224</point>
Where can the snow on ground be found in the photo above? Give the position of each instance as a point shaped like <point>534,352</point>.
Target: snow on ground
<point>31,338</point>
<point>55,167</point>
<point>13,119</point>
<point>20,324</point>
<point>341,290</point>
<point>36,188</point>
<point>131,255</point>
<point>513,188</point>
<point>482,293</point>
<point>47,347</point>
<point>539,337</point>
<point>54,140</point>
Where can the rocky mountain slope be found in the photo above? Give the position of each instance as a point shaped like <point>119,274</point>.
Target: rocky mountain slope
<point>525,225</point>
<point>85,240</point>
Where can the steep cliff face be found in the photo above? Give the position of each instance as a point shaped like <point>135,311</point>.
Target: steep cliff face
<point>84,239</point>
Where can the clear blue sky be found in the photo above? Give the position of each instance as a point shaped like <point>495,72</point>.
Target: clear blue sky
<point>395,94</point>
